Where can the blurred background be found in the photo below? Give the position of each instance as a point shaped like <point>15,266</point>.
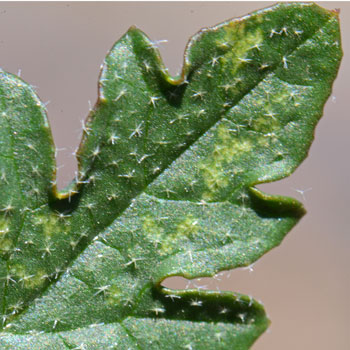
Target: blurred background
<point>304,284</point>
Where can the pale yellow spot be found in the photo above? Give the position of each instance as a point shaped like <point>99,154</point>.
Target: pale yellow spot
<point>152,229</point>
<point>4,226</point>
<point>185,230</point>
<point>188,227</point>
<point>37,280</point>
<point>50,224</point>
<point>150,225</point>
<point>259,18</point>
<point>281,96</point>
<point>6,245</point>
<point>263,142</point>
<point>265,124</point>
<point>227,147</point>
<point>241,43</point>
<point>18,270</point>
<point>260,102</point>
<point>114,295</point>
<point>214,175</point>
<point>29,280</point>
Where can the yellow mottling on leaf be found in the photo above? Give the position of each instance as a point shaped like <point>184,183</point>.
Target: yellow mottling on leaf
<point>214,175</point>
<point>151,226</point>
<point>4,226</point>
<point>227,147</point>
<point>37,280</point>
<point>263,142</point>
<point>187,227</point>
<point>50,224</point>
<point>18,270</point>
<point>241,42</point>
<point>6,245</point>
<point>265,124</point>
<point>184,231</point>
<point>153,230</point>
<point>29,280</point>
<point>114,295</point>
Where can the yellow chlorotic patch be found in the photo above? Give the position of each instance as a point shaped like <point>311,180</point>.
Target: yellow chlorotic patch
<point>114,295</point>
<point>6,245</point>
<point>37,280</point>
<point>167,246</point>
<point>226,148</point>
<point>29,280</point>
<point>259,18</point>
<point>151,226</point>
<point>18,270</point>
<point>214,176</point>
<point>152,229</point>
<point>50,224</point>
<point>263,142</point>
<point>266,124</point>
<point>4,226</point>
<point>186,229</point>
<point>240,42</point>
<point>271,117</point>
<point>229,145</point>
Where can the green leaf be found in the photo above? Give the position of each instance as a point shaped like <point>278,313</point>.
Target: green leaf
<point>166,187</point>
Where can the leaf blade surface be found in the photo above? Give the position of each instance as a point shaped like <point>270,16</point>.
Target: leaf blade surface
<point>166,187</point>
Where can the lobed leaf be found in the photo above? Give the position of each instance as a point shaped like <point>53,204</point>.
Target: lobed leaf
<point>166,187</point>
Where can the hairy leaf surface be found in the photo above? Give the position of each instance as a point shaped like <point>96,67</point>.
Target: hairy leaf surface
<point>166,187</point>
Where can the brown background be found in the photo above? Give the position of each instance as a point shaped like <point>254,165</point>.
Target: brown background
<point>304,284</point>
